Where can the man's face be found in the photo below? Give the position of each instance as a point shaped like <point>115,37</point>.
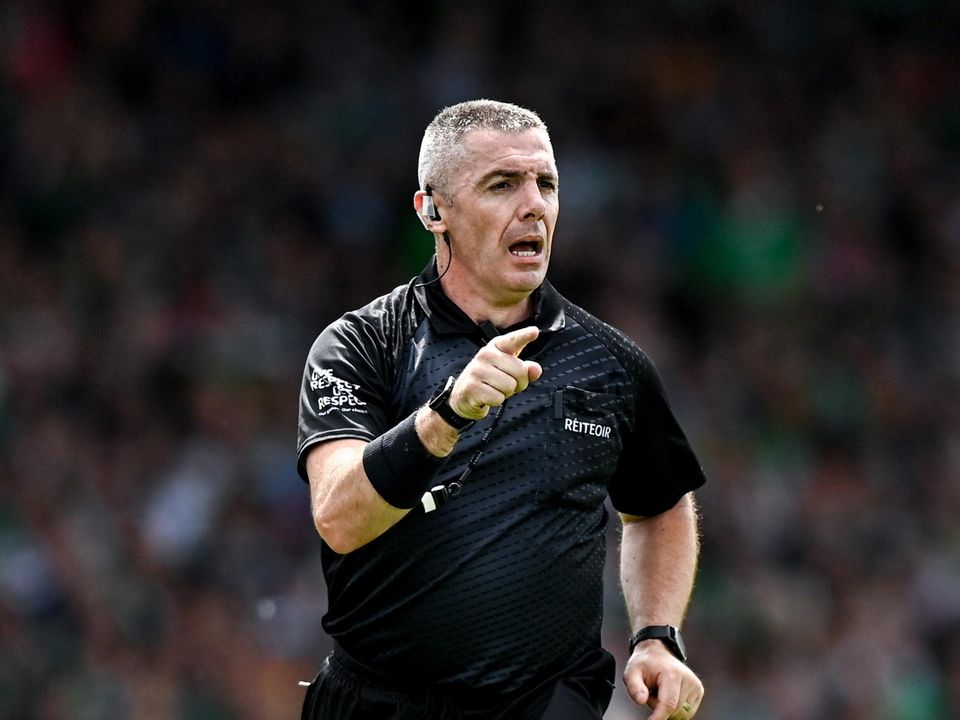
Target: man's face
<point>503,213</point>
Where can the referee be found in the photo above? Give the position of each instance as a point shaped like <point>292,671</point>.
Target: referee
<point>460,435</point>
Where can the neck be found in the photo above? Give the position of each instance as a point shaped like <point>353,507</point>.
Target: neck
<point>502,312</point>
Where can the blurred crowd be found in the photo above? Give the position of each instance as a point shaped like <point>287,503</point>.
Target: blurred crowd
<point>766,195</point>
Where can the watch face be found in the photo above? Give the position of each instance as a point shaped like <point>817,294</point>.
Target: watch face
<point>442,395</point>
<point>678,639</point>
<point>674,640</point>
<point>448,386</point>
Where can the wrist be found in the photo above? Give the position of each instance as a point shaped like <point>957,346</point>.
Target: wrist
<point>667,635</point>
<point>441,405</point>
<point>399,466</point>
<point>437,436</point>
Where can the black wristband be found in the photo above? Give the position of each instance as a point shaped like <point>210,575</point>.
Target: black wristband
<point>399,467</point>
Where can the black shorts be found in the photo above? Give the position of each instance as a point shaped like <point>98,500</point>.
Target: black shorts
<point>346,690</point>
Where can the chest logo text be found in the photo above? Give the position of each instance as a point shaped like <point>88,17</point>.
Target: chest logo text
<point>586,428</point>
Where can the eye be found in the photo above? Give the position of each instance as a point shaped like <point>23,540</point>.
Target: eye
<point>500,185</point>
<point>548,184</point>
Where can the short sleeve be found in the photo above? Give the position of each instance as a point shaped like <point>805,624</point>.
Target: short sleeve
<point>344,393</point>
<point>658,466</point>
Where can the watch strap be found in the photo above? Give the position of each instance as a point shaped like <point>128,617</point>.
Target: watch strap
<point>669,635</point>
<point>440,404</point>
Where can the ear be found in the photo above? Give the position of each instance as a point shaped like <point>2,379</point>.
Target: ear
<point>433,226</point>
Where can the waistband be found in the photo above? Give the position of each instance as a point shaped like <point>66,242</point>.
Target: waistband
<point>379,687</point>
<point>593,673</point>
<point>374,677</point>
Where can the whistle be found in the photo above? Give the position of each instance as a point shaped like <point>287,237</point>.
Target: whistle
<point>435,497</point>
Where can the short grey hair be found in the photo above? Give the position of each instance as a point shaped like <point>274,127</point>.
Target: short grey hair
<point>442,144</point>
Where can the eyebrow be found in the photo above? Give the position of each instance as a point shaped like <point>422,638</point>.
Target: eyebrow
<point>511,174</point>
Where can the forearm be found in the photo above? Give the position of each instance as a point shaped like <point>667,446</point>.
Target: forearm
<point>351,508</point>
<point>347,509</point>
<point>658,562</point>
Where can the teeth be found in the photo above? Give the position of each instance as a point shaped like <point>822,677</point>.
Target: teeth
<point>523,253</point>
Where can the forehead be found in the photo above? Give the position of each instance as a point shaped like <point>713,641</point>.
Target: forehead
<point>488,151</point>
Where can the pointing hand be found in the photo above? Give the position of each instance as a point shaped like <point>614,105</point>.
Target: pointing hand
<point>495,373</point>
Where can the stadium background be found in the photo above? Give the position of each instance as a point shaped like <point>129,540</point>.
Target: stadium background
<point>765,194</point>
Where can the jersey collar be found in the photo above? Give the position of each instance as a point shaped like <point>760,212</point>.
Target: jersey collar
<point>448,319</point>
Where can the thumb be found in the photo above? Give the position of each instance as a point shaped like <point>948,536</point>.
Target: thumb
<point>514,342</point>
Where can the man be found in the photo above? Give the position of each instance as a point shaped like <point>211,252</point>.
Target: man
<point>460,436</point>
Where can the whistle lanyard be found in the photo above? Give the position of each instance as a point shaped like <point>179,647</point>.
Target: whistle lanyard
<point>442,494</point>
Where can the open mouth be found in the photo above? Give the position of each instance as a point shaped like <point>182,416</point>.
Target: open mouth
<point>526,248</point>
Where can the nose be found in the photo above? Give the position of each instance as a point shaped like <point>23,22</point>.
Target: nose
<point>532,205</point>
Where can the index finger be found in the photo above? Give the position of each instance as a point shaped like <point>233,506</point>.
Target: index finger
<point>514,342</point>
<point>667,701</point>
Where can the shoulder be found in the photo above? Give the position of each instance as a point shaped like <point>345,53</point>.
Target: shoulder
<point>384,312</point>
<point>624,348</point>
<point>380,318</point>
<point>378,329</point>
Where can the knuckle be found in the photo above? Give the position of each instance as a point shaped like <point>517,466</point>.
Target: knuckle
<point>670,705</point>
<point>485,353</point>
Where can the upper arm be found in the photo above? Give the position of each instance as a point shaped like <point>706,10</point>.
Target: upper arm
<point>327,460</point>
<point>658,466</point>
<point>344,391</point>
<point>347,511</point>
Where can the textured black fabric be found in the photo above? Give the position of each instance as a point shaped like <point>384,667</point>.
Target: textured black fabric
<point>502,586</point>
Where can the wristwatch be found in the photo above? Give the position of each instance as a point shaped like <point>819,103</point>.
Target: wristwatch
<point>440,404</point>
<point>667,634</point>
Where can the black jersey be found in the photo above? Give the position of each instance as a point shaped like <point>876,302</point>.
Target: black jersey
<point>502,585</point>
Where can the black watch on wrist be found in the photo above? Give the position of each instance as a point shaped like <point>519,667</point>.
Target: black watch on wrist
<point>667,634</point>
<point>440,404</point>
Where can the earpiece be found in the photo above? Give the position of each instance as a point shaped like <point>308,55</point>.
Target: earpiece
<point>429,209</point>
<point>429,214</point>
